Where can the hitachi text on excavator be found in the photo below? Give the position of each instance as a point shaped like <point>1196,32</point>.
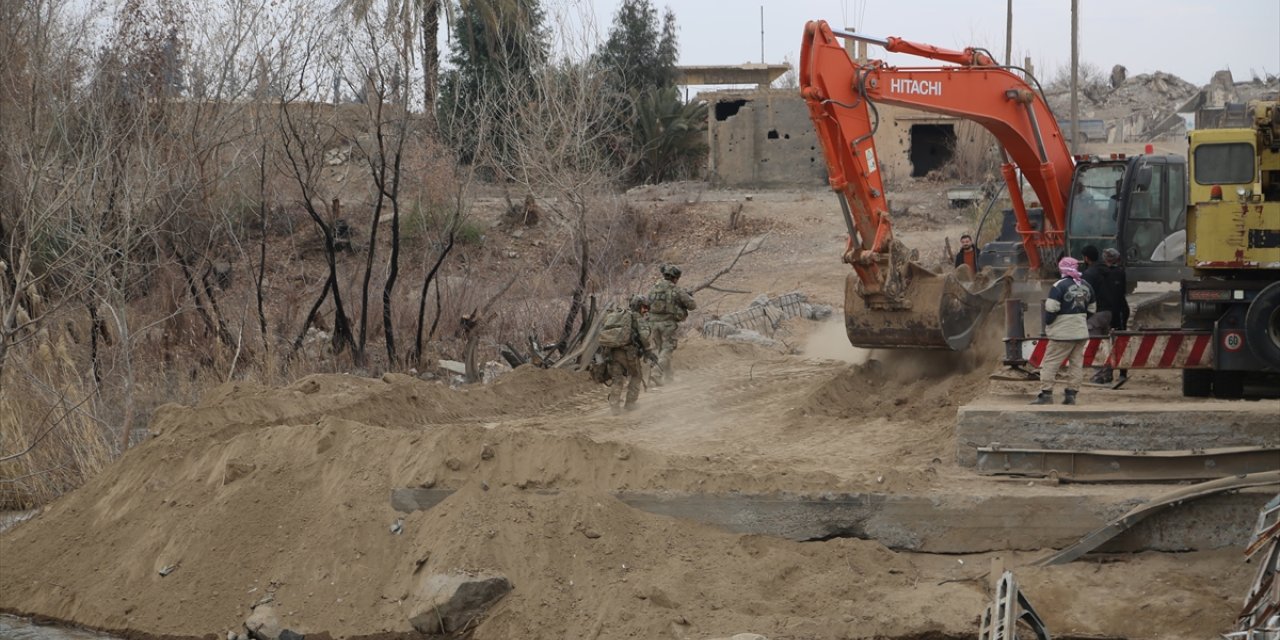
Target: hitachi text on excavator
<point>1136,204</point>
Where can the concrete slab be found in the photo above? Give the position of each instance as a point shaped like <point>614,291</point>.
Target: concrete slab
<point>1132,427</point>
<point>1017,518</point>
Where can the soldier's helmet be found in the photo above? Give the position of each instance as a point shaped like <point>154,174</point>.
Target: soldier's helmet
<point>670,271</point>
<point>639,303</point>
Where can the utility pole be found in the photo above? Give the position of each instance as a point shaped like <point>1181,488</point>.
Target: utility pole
<point>1075,77</point>
<point>1008,35</point>
<point>761,34</point>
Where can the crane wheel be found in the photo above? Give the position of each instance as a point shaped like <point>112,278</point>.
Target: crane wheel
<point>1262,326</point>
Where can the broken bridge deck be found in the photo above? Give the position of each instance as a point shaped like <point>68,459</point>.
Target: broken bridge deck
<point>1008,423</point>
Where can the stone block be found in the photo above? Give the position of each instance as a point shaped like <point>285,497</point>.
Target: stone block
<point>448,602</point>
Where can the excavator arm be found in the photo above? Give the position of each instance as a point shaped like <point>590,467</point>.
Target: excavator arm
<point>901,303</point>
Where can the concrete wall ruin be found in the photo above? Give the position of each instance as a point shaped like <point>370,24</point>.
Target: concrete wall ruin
<point>764,138</point>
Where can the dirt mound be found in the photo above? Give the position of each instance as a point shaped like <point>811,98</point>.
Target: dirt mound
<point>293,508</point>
<point>393,401</point>
<point>601,569</point>
<point>927,386</point>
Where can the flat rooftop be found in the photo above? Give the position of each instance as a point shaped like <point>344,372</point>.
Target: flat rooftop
<point>761,74</point>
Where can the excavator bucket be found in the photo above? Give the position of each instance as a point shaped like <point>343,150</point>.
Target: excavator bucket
<point>945,312</point>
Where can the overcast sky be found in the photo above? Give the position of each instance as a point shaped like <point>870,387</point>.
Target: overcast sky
<point>1188,38</point>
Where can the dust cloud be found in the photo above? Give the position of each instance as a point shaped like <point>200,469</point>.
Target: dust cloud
<point>829,341</point>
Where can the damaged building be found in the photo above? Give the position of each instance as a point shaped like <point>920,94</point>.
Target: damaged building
<point>762,137</point>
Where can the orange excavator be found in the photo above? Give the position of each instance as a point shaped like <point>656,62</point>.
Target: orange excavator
<point>892,301</point>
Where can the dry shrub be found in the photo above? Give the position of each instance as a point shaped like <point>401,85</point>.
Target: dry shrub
<point>48,408</point>
<point>1090,78</point>
<point>525,213</point>
<point>622,239</point>
<point>628,235</point>
<point>430,196</point>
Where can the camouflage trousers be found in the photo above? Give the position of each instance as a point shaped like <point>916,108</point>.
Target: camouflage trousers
<point>624,369</point>
<point>662,335</point>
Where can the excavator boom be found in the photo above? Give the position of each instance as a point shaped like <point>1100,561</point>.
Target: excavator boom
<point>890,300</point>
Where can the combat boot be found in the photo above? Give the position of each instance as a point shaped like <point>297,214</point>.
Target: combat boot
<point>1045,397</point>
<point>1068,397</point>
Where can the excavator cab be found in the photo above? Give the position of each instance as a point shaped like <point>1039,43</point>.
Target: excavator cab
<point>1138,205</point>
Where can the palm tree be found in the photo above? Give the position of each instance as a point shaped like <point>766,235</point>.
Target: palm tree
<point>669,135</point>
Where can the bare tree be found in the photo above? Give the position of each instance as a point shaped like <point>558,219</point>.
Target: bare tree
<point>308,129</point>
<point>43,170</point>
<point>559,147</point>
<point>389,127</point>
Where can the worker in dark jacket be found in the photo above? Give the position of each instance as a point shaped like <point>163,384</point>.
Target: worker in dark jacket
<point>1095,273</point>
<point>1111,285</point>
<point>968,253</point>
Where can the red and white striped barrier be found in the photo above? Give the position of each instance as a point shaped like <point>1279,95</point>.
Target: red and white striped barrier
<point>1163,350</point>
<point>1034,349</point>
<point>1172,349</point>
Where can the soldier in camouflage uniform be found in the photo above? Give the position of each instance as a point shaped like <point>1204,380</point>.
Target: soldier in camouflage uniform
<point>624,361</point>
<point>669,306</point>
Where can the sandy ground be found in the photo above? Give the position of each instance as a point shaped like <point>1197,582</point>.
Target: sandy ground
<point>284,492</point>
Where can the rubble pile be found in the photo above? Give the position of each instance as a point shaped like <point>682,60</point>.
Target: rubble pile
<point>1159,105</point>
<point>1150,90</point>
<point>758,323</point>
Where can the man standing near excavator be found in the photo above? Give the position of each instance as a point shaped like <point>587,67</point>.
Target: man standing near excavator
<point>1110,285</point>
<point>1066,311</point>
<point>968,253</point>
<point>669,306</point>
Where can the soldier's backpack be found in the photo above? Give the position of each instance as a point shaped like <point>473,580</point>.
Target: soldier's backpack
<point>616,329</point>
<point>663,303</point>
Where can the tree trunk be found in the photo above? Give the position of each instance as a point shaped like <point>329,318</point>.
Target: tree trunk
<point>422,299</point>
<point>575,303</point>
<point>224,334</point>
<point>373,243</point>
<point>262,249</point>
<point>126,422</point>
<point>95,326</point>
<point>343,337</point>
<point>190,277</point>
<point>4,355</point>
<point>471,335</point>
<point>435,322</point>
<point>311,316</point>
<point>392,272</point>
<point>342,334</point>
<point>430,60</point>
